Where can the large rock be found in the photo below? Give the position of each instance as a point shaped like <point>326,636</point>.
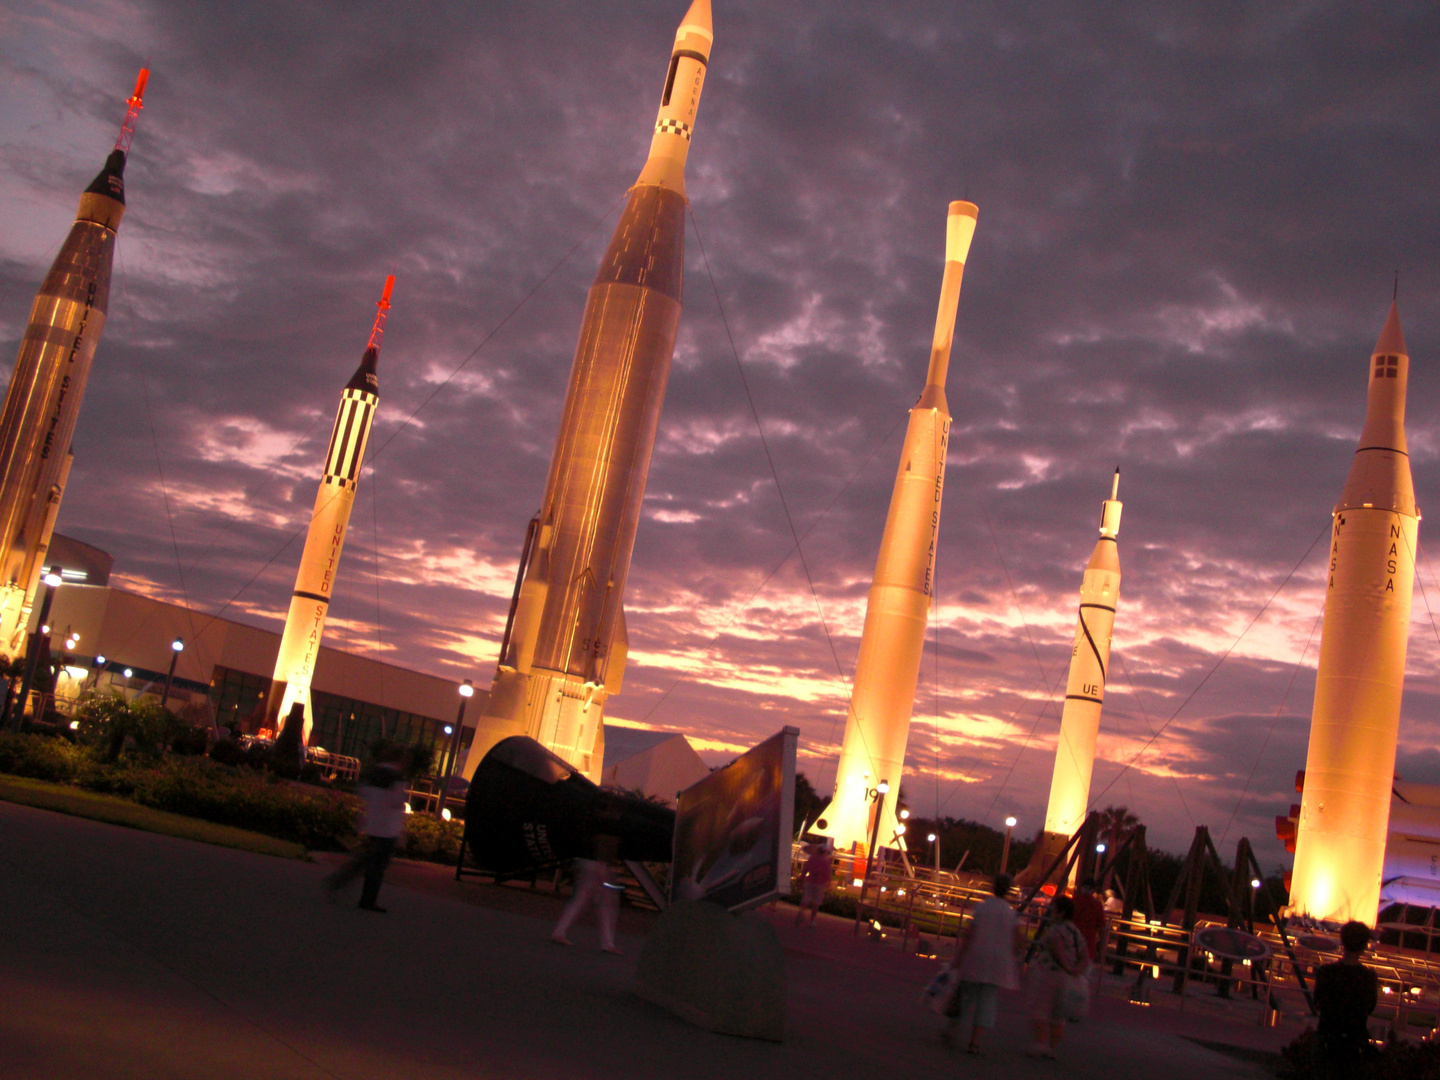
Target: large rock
<point>719,971</point>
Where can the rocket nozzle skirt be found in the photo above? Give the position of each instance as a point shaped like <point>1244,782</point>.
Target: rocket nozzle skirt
<point>1350,767</point>
<point>888,668</point>
<point>320,561</point>
<point>48,385</point>
<point>564,653</point>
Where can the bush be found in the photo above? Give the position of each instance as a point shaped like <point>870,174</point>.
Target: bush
<point>227,752</point>
<point>107,718</point>
<point>42,758</point>
<point>1397,1061</point>
<point>199,788</point>
<point>426,838</point>
<point>190,740</point>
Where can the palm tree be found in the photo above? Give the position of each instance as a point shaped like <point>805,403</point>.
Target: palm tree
<point>1116,824</point>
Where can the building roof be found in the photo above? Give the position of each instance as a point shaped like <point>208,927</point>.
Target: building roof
<point>623,742</point>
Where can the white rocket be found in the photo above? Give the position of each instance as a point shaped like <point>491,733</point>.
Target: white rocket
<point>1345,807</point>
<point>891,644</point>
<point>48,382</point>
<point>1084,692</point>
<point>564,649</point>
<point>310,602</point>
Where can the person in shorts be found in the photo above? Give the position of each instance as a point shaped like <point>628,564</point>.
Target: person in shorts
<point>985,964</point>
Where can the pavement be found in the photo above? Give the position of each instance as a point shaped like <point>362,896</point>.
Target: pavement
<point>126,954</point>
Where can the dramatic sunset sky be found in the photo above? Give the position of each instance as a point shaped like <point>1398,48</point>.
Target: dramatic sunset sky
<point>1190,220</point>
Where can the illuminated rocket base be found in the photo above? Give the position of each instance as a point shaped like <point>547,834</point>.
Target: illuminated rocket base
<point>878,726</point>
<point>1355,725</point>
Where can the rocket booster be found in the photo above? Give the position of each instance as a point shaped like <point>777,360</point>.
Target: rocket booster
<point>310,602</point>
<point>1345,806</point>
<point>48,383</point>
<point>1084,690</point>
<point>893,639</point>
<point>564,648</point>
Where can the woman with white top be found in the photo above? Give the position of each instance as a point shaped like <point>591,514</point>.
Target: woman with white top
<point>984,964</point>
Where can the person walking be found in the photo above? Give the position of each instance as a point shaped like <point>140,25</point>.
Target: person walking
<point>815,879</point>
<point>984,964</point>
<point>1060,957</point>
<point>381,826</point>
<point>1345,995</point>
<point>1089,917</point>
<point>594,884</point>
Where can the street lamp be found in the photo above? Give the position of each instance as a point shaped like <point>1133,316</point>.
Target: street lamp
<point>935,850</point>
<point>881,790</point>
<point>32,649</point>
<point>467,691</point>
<point>1005,851</point>
<point>176,648</point>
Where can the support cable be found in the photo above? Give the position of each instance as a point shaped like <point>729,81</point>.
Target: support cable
<point>1216,666</point>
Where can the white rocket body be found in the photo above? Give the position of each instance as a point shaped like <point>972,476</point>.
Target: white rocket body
<point>1412,849</point>
<point>565,645</point>
<point>315,580</point>
<point>1089,668</point>
<point>1345,806</point>
<point>893,639</point>
<point>47,385</point>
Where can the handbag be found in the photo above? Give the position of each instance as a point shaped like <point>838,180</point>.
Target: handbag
<point>940,990</point>
<point>1075,998</point>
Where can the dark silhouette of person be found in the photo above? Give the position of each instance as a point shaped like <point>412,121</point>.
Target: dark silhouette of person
<point>1345,995</point>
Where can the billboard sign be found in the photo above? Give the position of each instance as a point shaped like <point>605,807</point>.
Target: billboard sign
<point>733,829</point>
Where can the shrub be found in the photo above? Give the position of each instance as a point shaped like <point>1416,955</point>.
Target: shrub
<point>108,719</point>
<point>426,838</point>
<point>1397,1061</point>
<point>42,758</point>
<point>190,740</point>
<point>227,752</point>
<point>198,788</point>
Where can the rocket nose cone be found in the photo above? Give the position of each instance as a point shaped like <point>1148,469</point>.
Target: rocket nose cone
<point>697,21</point>
<point>1391,339</point>
<point>960,231</point>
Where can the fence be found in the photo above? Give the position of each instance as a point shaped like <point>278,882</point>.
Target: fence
<point>1150,961</point>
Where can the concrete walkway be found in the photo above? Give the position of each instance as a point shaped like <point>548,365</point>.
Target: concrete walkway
<point>124,954</point>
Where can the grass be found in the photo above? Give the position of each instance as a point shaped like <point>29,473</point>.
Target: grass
<point>117,811</point>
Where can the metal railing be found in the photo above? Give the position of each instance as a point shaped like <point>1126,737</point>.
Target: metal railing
<point>1150,961</point>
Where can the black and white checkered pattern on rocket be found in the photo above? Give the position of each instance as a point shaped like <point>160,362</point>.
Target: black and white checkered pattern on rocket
<point>673,127</point>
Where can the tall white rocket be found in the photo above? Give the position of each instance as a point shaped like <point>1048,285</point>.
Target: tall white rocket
<point>893,640</point>
<point>1350,768</point>
<point>1084,690</point>
<point>310,602</point>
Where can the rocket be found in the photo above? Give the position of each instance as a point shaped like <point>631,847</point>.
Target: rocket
<point>883,696</point>
<point>564,647</point>
<point>48,383</point>
<point>1084,692</point>
<point>315,581</point>
<point>1355,723</point>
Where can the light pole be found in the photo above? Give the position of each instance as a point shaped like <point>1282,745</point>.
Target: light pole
<point>1005,851</point>
<point>880,791</point>
<point>176,648</point>
<point>935,850</point>
<point>32,651</point>
<point>467,690</point>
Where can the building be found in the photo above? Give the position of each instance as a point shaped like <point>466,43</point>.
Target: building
<point>660,764</point>
<point>106,636</point>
